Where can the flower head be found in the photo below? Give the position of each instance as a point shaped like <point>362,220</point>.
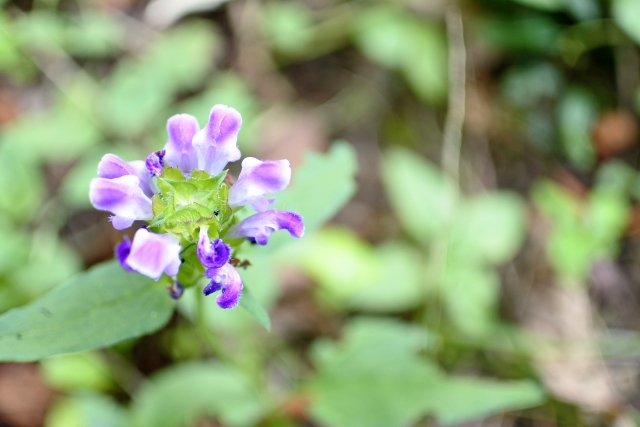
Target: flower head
<point>182,193</point>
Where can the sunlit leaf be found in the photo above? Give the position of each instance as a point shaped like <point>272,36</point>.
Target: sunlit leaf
<point>626,13</point>
<point>375,377</point>
<point>179,395</point>
<point>421,195</point>
<point>249,303</point>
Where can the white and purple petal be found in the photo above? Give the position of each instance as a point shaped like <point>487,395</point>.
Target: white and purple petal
<point>259,227</point>
<point>216,143</point>
<point>258,178</point>
<point>212,254</point>
<point>121,196</point>
<point>112,166</point>
<point>226,279</point>
<point>152,254</point>
<point>180,152</point>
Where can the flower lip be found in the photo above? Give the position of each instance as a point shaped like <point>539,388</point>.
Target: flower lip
<point>121,196</point>
<point>212,254</point>
<point>216,143</point>
<point>227,280</point>
<point>180,151</point>
<point>258,178</point>
<point>112,166</point>
<point>260,226</point>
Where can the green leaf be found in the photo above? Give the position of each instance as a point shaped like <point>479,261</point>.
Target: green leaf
<point>471,296</point>
<point>86,411</point>
<point>179,395</point>
<point>421,195</point>
<point>551,5</point>
<point>138,90</point>
<point>77,372</point>
<point>626,14</point>
<point>61,133</point>
<point>21,184</point>
<point>94,35</point>
<point>288,26</point>
<point>457,400</point>
<point>375,377</point>
<point>100,307</point>
<point>354,274</point>
<point>577,113</point>
<point>249,303</point>
<point>414,47</point>
<point>519,35</point>
<point>489,227</point>
<point>319,188</point>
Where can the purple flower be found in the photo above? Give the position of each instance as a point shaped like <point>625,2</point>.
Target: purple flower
<point>227,279</point>
<point>216,143</point>
<point>112,166</point>
<point>261,225</point>
<point>151,254</point>
<point>180,152</point>
<point>122,196</point>
<point>155,162</point>
<point>258,178</point>
<point>212,254</point>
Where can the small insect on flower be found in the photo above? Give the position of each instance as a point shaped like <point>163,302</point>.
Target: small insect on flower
<point>189,203</point>
<point>237,263</point>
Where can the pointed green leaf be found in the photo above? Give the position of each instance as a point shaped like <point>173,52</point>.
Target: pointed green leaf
<point>249,303</point>
<point>321,186</point>
<point>97,308</point>
<point>179,395</point>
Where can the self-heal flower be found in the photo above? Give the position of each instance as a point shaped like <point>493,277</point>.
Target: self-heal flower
<point>183,192</point>
<point>150,254</point>
<point>260,226</point>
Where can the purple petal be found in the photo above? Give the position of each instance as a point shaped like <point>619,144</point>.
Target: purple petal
<point>180,153</point>
<point>227,279</point>
<point>261,225</point>
<point>155,162</point>
<point>175,289</point>
<point>112,166</point>
<point>122,253</point>
<point>258,178</point>
<point>211,288</point>
<point>153,254</point>
<point>212,254</point>
<point>121,196</point>
<point>216,143</point>
<point>120,223</point>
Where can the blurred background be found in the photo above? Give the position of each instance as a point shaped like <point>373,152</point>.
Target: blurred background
<point>484,273</point>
